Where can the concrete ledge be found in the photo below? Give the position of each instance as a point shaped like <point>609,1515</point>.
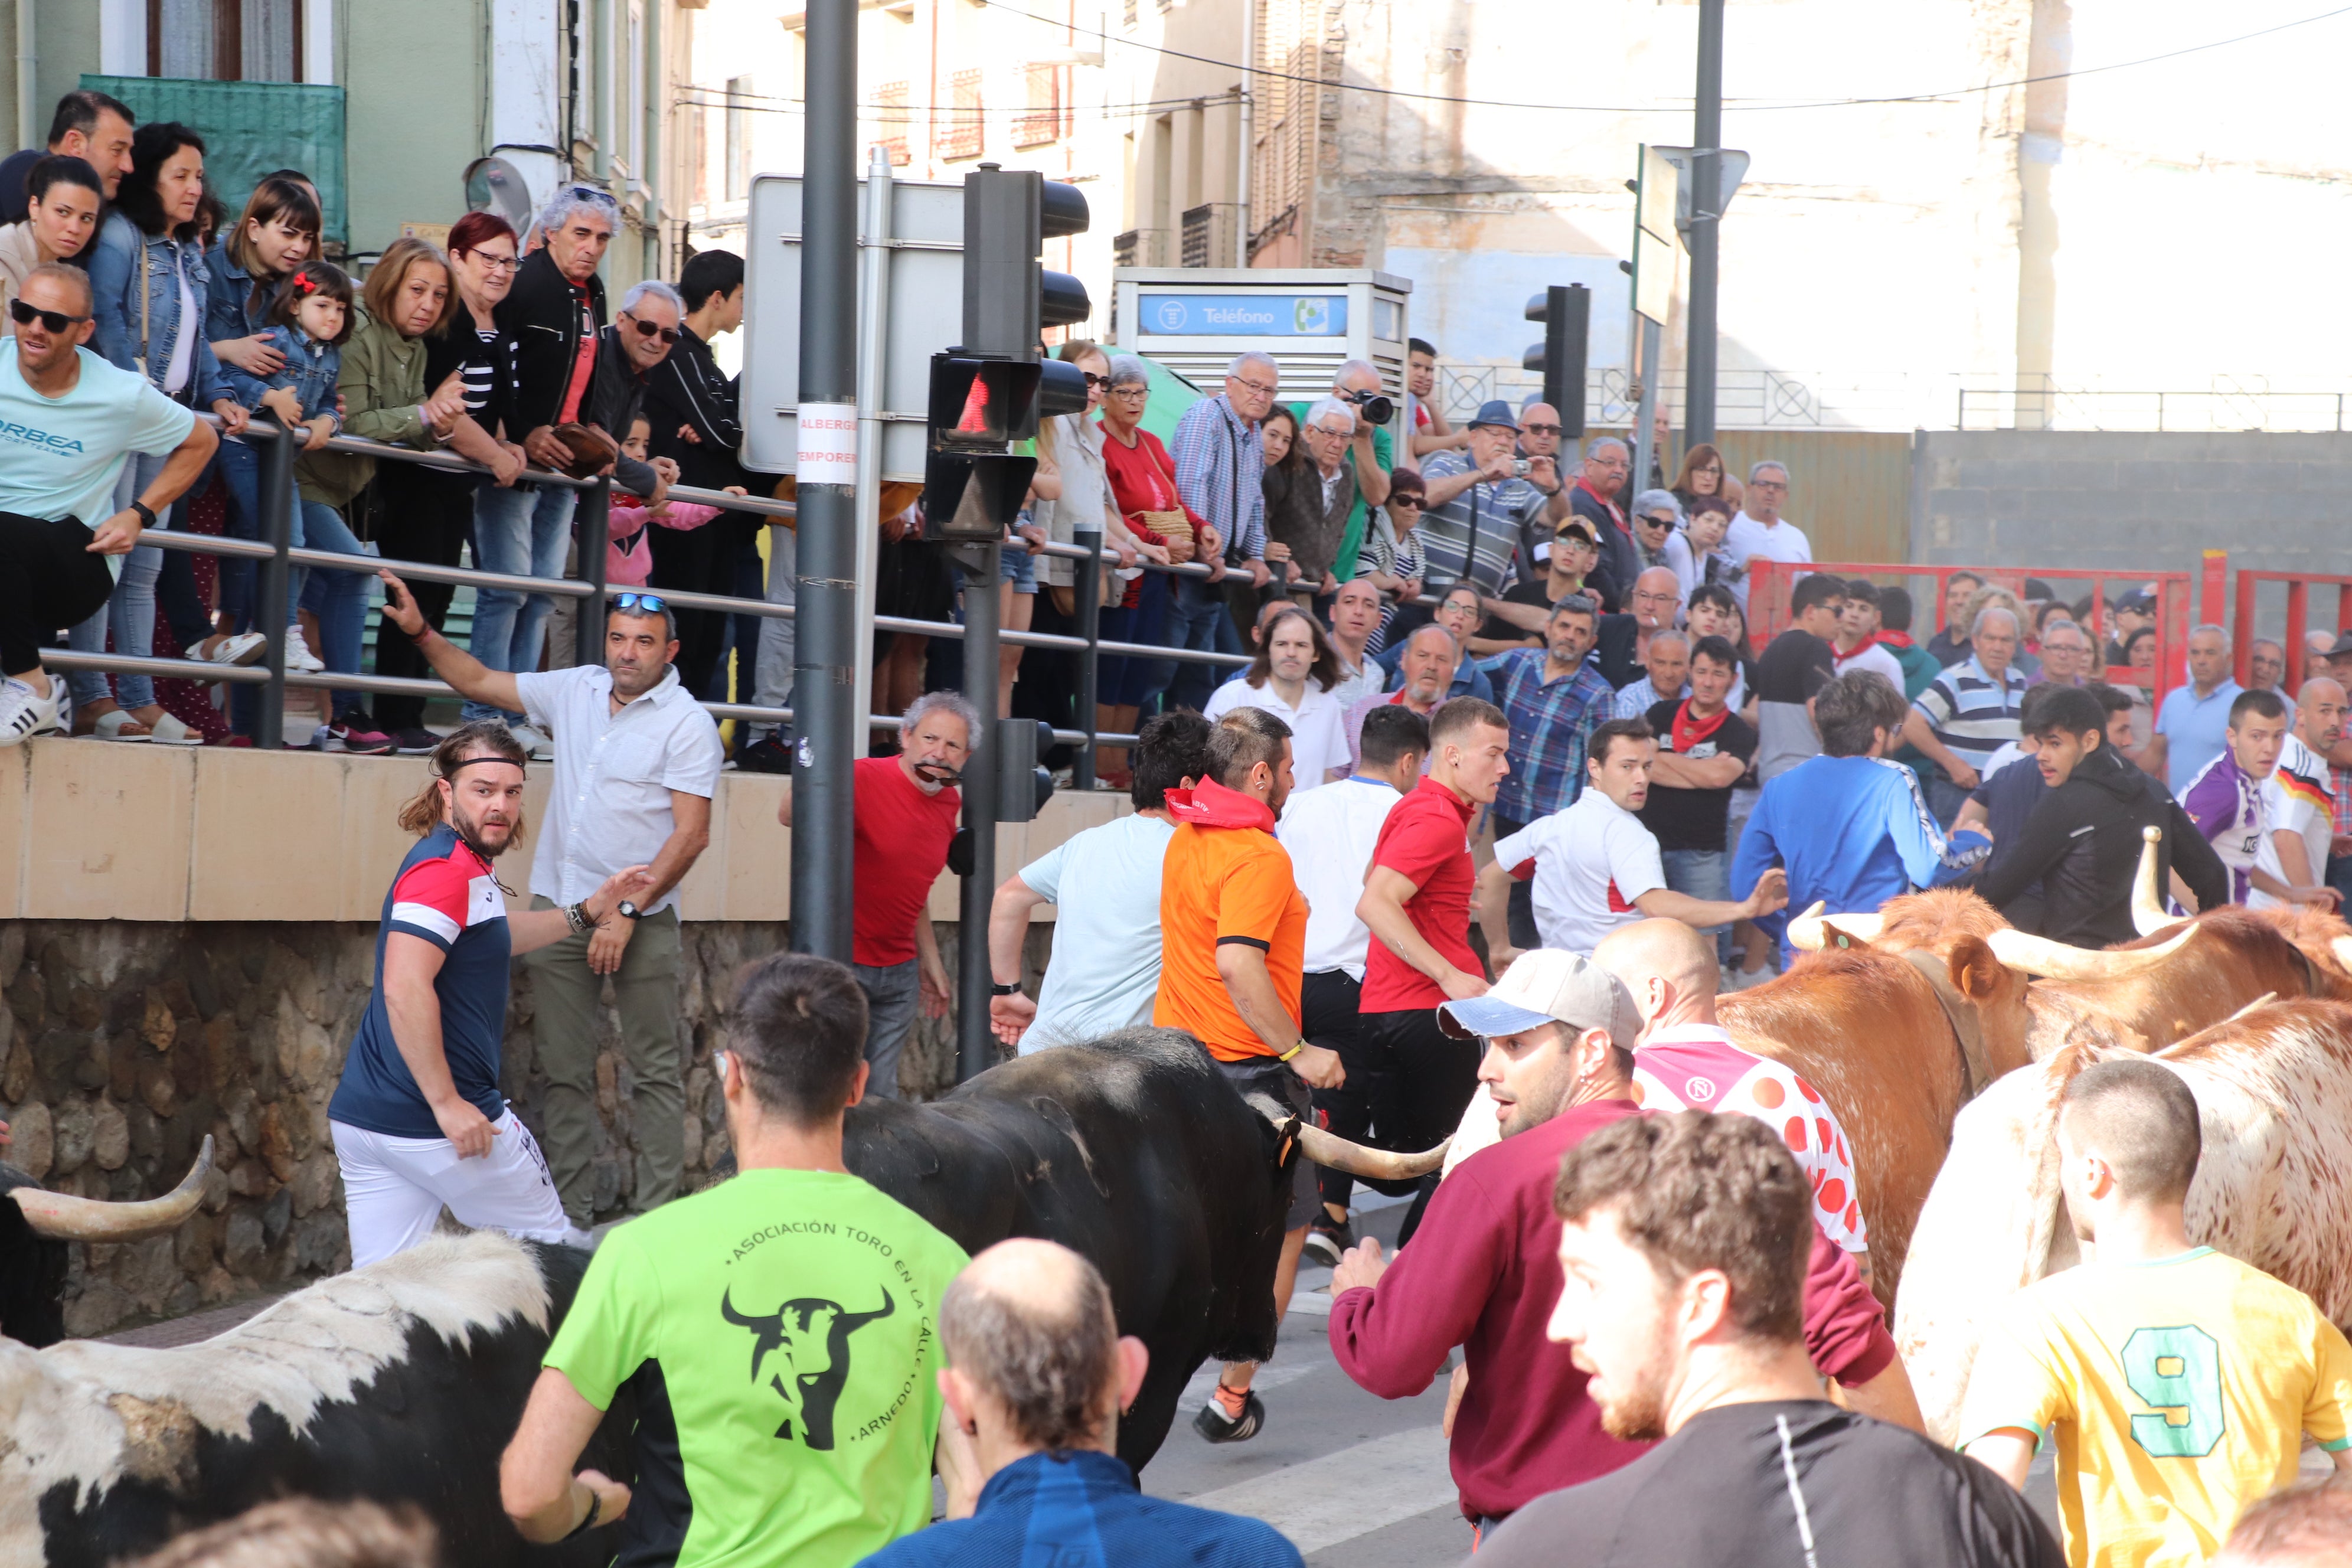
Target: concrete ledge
<point>96,831</point>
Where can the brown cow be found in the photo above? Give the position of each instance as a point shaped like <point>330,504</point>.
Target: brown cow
<point>1894,1053</point>
<point>2180,976</point>
<point>2148,994</point>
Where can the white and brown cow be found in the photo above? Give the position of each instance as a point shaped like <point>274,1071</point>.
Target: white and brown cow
<point>2273,1186</point>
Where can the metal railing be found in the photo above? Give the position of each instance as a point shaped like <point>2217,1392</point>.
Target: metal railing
<point>278,555</point>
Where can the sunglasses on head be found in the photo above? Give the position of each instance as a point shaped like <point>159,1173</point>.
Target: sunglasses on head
<point>649,329</point>
<point>651,603</point>
<point>25,315</point>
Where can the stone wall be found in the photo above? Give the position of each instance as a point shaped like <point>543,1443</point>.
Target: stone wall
<point>122,1043</point>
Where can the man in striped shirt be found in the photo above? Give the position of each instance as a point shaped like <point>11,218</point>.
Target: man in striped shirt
<point>1969,711</point>
<point>2300,795</point>
<point>1470,524</point>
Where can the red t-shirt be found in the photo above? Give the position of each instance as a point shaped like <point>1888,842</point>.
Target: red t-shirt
<point>584,365</point>
<point>902,847</point>
<point>1483,1272</point>
<point>1426,840</point>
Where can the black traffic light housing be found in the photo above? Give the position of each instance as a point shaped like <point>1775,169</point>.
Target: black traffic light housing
<point>1566,316</point>
<point>990,391</point>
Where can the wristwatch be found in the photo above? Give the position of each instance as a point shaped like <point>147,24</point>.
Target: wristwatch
<point>628,911</point>
<point>1012,990</point>
<point>146,513</point>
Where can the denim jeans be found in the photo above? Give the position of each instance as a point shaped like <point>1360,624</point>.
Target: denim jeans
<point>240,470</point>
<point>339,599</point>
<point>1193,621</point>
<point>1699,874</point>
<point>893,993</point>
<point>523,533</point>
<point>130,608</point>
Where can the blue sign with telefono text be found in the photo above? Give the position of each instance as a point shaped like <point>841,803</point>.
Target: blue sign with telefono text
<point>1245,315</point>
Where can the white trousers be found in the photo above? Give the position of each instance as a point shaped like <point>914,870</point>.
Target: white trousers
<point>395,1188</point>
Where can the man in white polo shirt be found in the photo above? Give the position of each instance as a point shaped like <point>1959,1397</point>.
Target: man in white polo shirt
<point>1293,678</point>
<point>1105,968</point>
<point>1595,866</point>
<point>636,763</point>
<point>1329,834</point>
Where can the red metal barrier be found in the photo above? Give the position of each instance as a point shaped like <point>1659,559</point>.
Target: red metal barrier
<point>1769,584</point>
<point>2298,618</point>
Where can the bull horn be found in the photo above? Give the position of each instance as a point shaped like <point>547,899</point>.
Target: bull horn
<point>61,1216</point>
<point>1861,928</point>
<point>1805,930</point>
<point>2146,908</point>
<point>1334,1153</point>
<point>2038,955</point>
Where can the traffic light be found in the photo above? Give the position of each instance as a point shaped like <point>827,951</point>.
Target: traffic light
<point>1567,318</point>
<point>993,389</point>
<point>1022,783</point>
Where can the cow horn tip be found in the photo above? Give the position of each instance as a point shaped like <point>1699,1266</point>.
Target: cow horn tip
<point>2342,948</point>
<point>2151,834</point>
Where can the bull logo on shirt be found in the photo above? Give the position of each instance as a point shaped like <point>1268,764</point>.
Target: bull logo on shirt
<point>811,1336</point>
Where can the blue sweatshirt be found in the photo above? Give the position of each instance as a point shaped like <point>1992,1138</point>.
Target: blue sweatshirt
<point>1853,832</point>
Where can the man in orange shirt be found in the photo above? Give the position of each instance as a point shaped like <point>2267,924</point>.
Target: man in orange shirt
<point>1234,939</point>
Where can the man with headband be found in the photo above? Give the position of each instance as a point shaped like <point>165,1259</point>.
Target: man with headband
<point>417,1119</point>
<point>906,812</point>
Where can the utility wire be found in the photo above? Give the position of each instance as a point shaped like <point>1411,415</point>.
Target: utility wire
<point>1731,106</point>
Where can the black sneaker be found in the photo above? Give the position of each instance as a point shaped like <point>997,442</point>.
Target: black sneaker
<point>415,743</point>
<point>1327,1239</point>
<point>768,756</point>
<point>1214,1424</point>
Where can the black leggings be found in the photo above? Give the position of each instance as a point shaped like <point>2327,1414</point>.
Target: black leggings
<point>51,581</point>
<point>1421,1079</point>
<point>425,517</point>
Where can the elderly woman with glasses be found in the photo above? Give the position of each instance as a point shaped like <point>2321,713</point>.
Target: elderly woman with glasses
<point>1143,487</point>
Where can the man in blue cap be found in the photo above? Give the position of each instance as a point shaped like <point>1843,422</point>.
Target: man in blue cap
<point>1477,506</point>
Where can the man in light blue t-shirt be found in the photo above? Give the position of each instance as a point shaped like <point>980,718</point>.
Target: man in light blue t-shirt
<point>1105,968</point>
<point>2193,726</point>
<point>68,421</point>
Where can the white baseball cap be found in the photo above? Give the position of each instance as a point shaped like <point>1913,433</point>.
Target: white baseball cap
<point>1547,985</point>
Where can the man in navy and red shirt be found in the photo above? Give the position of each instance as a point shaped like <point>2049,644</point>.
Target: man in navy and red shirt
<point>417,1119</point>
<point>905,809</point>
<point>1484,1273</point>
<point>1417,903</point>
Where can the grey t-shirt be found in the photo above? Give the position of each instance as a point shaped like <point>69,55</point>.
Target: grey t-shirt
<point>1791,673</point>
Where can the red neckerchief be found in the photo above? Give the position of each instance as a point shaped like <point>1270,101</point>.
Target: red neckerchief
<point>1210,804</point>
<point>1615,515</point>
<point>1895,639</point>
<point>1690,731</point>
<point>1858,649</point>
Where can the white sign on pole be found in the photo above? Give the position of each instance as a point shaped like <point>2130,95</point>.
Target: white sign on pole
<point>924,315</point>
<point>827,444</point>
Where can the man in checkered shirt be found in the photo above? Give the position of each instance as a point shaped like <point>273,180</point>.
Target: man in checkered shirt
<point>1554,700</point>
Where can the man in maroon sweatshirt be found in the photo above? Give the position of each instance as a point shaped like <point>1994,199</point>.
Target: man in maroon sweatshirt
<point>1483,1273</point>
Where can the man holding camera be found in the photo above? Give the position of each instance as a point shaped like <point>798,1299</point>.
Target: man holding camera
<point>1371,452</point>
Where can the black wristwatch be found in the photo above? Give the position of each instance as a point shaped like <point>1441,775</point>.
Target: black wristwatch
<point>146,513</point>
<point>628,911</point>
<point>1012,990</point>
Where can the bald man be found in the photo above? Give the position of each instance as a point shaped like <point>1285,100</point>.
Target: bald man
<point>2300,795</point>
<point>1037,1374</point>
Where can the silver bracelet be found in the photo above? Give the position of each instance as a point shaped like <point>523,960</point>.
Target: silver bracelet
<point>576,916</point>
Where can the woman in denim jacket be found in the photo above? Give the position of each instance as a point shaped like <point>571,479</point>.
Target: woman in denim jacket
<point>150,284</point>
<point>277,232</point>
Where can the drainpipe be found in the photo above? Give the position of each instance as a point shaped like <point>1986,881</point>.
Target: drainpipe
<point>608,78</point>
<point>28,126</point>
<point>650,176</point>
<point>1248,136</point>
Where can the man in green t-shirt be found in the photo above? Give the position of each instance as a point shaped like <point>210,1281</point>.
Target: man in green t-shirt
<point>780,1331</point>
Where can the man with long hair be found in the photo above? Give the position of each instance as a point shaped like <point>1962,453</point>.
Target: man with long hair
<point>418,1121</point>
<point>1292,678</point>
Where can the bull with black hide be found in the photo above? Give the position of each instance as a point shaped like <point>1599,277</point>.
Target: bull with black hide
<point>401,1381</point>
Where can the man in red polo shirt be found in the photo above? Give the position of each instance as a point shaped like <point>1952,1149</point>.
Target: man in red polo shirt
<point>1416,903</point>
<point>905,809</point>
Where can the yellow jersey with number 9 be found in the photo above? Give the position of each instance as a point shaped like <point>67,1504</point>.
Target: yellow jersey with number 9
<point>2175,1392</point>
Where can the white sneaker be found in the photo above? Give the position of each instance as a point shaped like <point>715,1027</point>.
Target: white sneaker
<point>535,746</point>
<point>299,655</point>
<point>239,648</point>
<point>24,713</point>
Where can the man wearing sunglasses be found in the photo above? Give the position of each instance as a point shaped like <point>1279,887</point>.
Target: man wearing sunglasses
<point>69,421</point>
<point>636,763</point>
